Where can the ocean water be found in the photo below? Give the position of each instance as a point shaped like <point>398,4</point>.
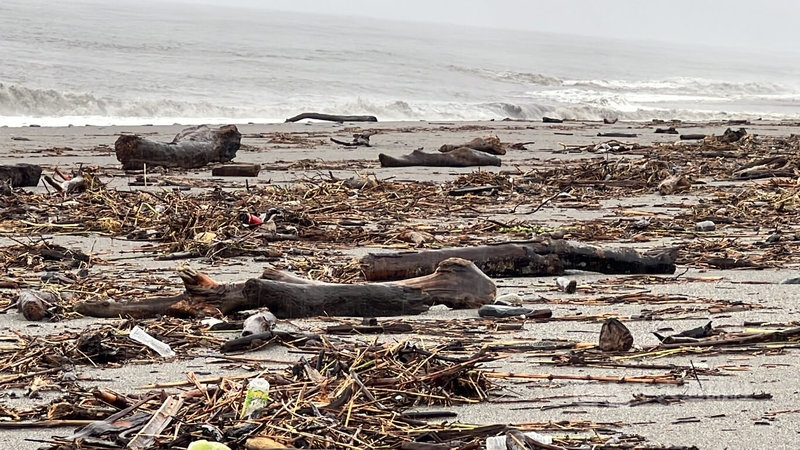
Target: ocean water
<point>159,62</point>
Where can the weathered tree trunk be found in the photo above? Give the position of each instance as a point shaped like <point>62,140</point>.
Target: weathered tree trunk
<point>460,157</point>
<point>20,174</point>
<point>489,144</point>
<point>535,258</point>
<point>332,117</point>
<point>456,283</point>
<point>193,147</point>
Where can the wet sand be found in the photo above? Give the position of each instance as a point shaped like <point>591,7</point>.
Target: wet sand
<point>714,423</point>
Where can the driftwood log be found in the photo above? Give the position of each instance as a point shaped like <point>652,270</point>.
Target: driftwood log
<point>331,118</point>
<point>20,174</point>
<point>532,258</point>
<point>460,157</point>
<point>489,144</point>
<point>456,283</point>
<point>193,147</point>
<point>236,170</point>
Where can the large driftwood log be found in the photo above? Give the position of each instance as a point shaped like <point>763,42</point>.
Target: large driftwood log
<point>460,157</point>
<point>489,144</point>
<point>456,283</point>
<point>534,258</point>
<point>193,147</point>
<point>332,117</point>
<point>20,174</point>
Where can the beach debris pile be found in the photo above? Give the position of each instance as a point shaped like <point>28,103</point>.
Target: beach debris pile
<point>369,383</point>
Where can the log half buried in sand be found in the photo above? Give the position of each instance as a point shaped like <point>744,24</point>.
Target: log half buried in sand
<point>236,170</point>
<point>193,147</point>
<point>489,144</point>
<point>460,157</point>
<point>331,118</point>
<point>456,283</point>
<point>18,175</point>
<point>533,258</point>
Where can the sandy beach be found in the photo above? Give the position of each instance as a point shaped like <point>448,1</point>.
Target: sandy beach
<point>558,179</point>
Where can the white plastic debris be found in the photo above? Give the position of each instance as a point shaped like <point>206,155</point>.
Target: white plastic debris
<point>140,336</point>
<point>257,396</point>
<point>705,225</point>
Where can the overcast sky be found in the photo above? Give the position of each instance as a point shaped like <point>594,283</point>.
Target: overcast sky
<point>769,25</point>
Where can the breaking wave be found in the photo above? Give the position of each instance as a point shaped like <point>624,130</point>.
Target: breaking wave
<point>20,106</point>
<point>18,100</point>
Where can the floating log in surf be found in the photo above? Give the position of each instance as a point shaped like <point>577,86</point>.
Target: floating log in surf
<point>22,174</point>
<point>489,144</point>
<point>460,157</point>
<point>331,118</point>
<point>193,147</point>
<point>533,258</point>
<point>456,283</point>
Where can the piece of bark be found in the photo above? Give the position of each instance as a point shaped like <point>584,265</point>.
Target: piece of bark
<point>418,238</point>
<point>617,135</point>
<point>691,137</point>
<point>331,118</point>
<point>533,258</point>
<point>456,283</point>
<point>22,174</point>
<point>615,337</point>
<point>256,340</point>
<point>670,130</point>
<point>145,438</point>
<point>460,157</point>
<point>193,147</point>
<point>474,190</point>
<point>236,170</point>
<point>513,311</point>
<point>370,329</point>
<point>489,144</point>
<point>359,140</point>
<point>35,305</point>
<point>551,120</point>
<point>730,136</point>
<point>673,184</point>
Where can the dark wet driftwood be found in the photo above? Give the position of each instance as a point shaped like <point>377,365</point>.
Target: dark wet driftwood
<point>460,157</point>
<point>332,117</point>
<point>236,170</point>
<point>193,147</point>
<point>534,258</point>
<point>20,174</point>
